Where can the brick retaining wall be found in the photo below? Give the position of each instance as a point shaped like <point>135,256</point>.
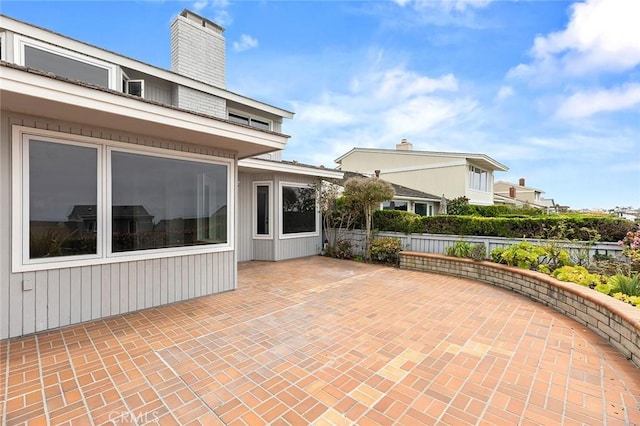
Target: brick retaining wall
<point>616,321</point>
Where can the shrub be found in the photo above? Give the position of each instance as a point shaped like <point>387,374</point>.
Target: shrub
<point>342,250</point>
<point>496,255</point>
<point>631,248</point>
<point>386,250</point>
<point>625,284</point>
<point>578,227</point>
<point>397,221</point>
<point>578,275</point>
<point>459,249</point>
<point>478,252</point>
<point>632,300</point>
<point>523,255</point>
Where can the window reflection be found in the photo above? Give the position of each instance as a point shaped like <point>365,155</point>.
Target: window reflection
<point>162,202</point>
<point>298,209</point>
<point>62,199</point>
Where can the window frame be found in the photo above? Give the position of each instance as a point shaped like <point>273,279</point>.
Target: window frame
<point>128,90</point>
<point>250,118</point>
<point>254,210</point>
<point>20,195</point>
<point>479,172</point>
<point>281,233</point>
<point>20,42</point>
<point>3,46</point>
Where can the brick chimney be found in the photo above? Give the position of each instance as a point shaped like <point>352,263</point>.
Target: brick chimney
<point>512,192</point>
<point>198,49</point>
<point>521,182</point>
<point>404,145</point>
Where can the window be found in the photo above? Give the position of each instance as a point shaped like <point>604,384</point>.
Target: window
<point>3,55</point>
<point>395,205</point>
<point>64,63</point>
<point>424,209</point>
<point>262,210</point>
<point>479,179</point>
<point>298,210</point>
<point>135,87</point>
<point>258,123</point>
<point>159,202</point>
<point>82,201</point>
<point>63,198</point>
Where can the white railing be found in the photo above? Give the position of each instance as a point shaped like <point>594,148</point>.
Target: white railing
<point>438,243</point>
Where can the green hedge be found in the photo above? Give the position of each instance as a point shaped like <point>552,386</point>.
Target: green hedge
<point>578,227</point>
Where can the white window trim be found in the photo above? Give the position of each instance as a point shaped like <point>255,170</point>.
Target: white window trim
<point>250,117</point>
<point>20,199</point>
<point>128,81</point>
<point>3,47</point>
<point>281,233</point>
<point>254,209</point>
<point>20,41</point>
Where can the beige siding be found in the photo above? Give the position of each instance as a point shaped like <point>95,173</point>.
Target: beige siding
<point>450,181</point>
<point>70,295</point>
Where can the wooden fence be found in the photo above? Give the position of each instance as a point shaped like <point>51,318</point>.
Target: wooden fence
<point>438,243</point>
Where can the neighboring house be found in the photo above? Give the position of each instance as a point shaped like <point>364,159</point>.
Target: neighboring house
<point>626,213</point>
<point>407,199</point>
<point>446,173</point>
<point>126,183</point>
<point>522,195</point>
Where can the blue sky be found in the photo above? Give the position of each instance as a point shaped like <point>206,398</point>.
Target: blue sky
<point>549,88</point>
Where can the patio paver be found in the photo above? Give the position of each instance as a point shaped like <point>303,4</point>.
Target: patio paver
<point>326,342</point>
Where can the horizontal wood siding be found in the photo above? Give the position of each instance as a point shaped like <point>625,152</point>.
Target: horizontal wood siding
<point>71,295</point>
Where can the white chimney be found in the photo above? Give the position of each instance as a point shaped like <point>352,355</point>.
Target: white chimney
<point>404,145</point>
<point>198,49</point>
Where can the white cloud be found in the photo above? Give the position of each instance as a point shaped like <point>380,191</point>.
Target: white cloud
<point>246,42</point>
<point>587,103</point>
<point>220,16</point>
<point>448,5</point>
<point>504,92</point>
<point>377,109</point>
<point>602,35</point>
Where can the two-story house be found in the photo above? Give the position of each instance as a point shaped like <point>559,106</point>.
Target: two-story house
<point>522,195</point>
<point>443,173</point>
<point>128,186</point>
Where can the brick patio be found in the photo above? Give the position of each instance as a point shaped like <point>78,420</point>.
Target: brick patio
<point>324,341</point>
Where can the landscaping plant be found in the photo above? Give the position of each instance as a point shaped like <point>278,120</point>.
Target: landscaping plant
<point>577,274</point>
<point>386,250</point>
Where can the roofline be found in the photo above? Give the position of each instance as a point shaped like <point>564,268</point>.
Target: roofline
<point>20,83</point>
<point>515,185</point>
<point>28,30</point>
<point>498,166</point>
<point>285,167</point>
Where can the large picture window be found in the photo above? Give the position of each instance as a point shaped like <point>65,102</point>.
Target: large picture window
<point>63,195</point>
<point>298,209</point>
<point>161,202</point>
<point>84,201</point>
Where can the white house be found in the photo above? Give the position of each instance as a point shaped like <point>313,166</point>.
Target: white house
<point>130,186</point>
<point>449,173</point>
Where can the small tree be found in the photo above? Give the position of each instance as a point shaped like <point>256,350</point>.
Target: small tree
<point>337,216</point>
<point>366,194</point>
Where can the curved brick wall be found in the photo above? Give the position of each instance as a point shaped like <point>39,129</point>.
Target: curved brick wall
<point>615,321</point>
